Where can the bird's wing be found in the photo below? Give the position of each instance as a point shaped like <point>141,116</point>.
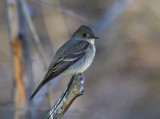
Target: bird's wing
<point>69,57</point>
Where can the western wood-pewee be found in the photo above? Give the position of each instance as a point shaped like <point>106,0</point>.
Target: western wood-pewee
<point>74,57</point>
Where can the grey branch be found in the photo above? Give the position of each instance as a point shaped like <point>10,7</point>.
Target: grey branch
<point>72,91</point>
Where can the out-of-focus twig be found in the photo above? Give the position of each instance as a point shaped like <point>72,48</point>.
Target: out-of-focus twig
<point>20,93</point>
<point>38,43</point>
<point>26,39</point>
<point>34,33</point>
<point>109,16</point>
<point>65,10</point>
<point>72,91</point>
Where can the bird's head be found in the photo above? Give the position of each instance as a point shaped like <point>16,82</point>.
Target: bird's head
<point>84,33</point>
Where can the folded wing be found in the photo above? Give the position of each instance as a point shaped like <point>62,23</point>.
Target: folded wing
<point>70,56</point>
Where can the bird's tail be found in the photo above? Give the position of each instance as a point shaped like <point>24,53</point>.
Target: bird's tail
<point>47,78</point>
<point>36,91</point>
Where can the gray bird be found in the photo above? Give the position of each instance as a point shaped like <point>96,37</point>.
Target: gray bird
<point>74,57</point>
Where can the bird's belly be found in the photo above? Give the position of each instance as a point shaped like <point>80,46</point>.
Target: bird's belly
<point>79,66</point>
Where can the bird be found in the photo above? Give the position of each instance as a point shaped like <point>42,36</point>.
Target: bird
<point>73,57</point>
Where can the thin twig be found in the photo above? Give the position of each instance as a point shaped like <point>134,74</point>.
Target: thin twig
<point>65,10</point>
<point>38,43</point>
<point>26,39</point>
<point>72,91</point>
<point>34,32</point>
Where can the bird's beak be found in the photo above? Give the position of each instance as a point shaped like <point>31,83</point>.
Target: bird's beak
<point>93,37</point>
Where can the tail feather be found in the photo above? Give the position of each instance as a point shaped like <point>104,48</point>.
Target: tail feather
<point>36,91</point>
<point>47,78</point>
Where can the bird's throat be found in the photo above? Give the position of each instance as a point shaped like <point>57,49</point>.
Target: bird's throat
<point>92,41</point>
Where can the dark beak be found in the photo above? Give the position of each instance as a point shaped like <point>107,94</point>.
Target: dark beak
<point>93,37</point>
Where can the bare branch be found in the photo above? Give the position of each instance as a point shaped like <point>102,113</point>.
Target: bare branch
<point>72,91</point>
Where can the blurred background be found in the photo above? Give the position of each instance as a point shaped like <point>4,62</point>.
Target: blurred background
<point>123,81</point>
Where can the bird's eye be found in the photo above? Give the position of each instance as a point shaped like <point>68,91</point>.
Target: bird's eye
<point>84,35</point>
